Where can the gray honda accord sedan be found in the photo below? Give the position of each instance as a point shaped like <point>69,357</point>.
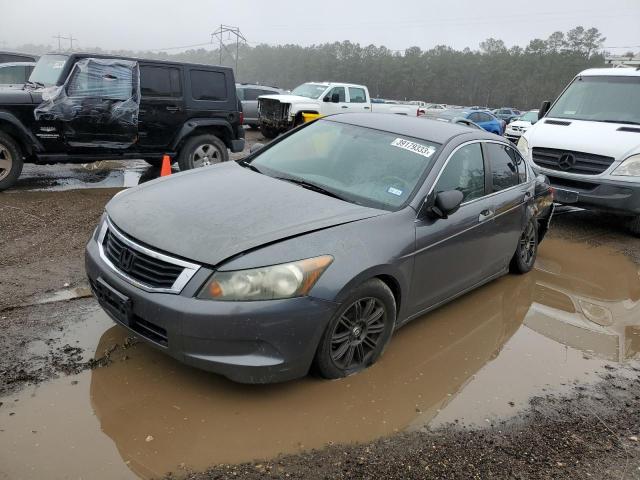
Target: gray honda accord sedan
<point>310,252</point>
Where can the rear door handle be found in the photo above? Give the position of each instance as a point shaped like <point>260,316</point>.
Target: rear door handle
<point>172,109</point>
<point>485,214</point>
<point>367,108</point>
<point>344,106</point>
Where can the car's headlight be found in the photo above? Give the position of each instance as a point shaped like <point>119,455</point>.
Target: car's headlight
<point>523,147</point>
<point>286,280</point>
<point>629,168</point>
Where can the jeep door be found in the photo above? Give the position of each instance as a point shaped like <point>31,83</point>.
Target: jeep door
<point>162,110</point>
<point>99,105</point>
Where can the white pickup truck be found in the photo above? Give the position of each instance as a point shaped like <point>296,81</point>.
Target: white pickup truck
<point>279,113</point>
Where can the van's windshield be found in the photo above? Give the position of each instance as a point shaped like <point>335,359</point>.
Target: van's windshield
<point>613,99</point>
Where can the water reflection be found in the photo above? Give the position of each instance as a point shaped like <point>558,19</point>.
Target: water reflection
<point>588,299</point>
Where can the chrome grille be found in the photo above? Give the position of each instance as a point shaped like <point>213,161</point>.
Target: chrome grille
<point>272,109</point>
<point>571,161</point>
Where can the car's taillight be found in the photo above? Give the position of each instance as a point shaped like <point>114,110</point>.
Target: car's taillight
<point>241,118</point>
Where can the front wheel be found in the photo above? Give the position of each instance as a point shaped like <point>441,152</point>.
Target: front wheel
<point>268,132</point>
<point>527,250</point>
<point>202,151</point>
<point>11,161</point>
<point>359,331</point>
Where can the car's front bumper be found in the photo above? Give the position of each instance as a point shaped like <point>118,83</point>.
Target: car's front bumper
<point>614,196</point>
<point>248,342</point>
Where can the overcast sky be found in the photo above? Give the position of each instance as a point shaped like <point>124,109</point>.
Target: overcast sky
<point>397,24</point>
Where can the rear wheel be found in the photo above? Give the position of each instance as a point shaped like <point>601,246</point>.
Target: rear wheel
<point>527,250</point>
<point>202,151</point>
<point>359,331</point>
<point>11,161</point>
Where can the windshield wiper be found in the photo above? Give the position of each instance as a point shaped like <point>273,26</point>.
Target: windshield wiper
<point>315,188</point>
<point>249,165</point>
<point>34,84</point>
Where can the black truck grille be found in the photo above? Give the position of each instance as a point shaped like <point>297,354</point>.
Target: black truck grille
<point>570,161</point>
<point>144,268</point>
<point>272,109</point>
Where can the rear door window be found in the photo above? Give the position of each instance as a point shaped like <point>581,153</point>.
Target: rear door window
<point>357,95</point>
<point>504,166</point>
<point>464,172</point>
<point>160,81</point>
<point>207,85</point>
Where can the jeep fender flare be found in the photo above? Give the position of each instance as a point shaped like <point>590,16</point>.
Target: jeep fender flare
<point>27,138</point>
<point>192,125</point>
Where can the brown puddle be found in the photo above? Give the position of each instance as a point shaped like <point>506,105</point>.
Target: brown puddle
<point>514,338</point>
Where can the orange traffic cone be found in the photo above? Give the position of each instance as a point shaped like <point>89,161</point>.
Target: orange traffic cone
<point>166,166</point>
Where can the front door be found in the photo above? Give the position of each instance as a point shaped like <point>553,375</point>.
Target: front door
<point>162,110</point>
<point>98,105</point>
<point>451,254</point>
<point>335,101</point>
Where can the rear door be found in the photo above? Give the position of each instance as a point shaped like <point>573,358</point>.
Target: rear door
<point>511,193</point>
<point>358,101</point>
<point>452,254</point>
<point>162,110</point>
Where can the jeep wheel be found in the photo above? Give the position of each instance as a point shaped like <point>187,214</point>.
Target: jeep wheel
<point>10,161</point>
<point>268,132</point>
<point>202,151</point>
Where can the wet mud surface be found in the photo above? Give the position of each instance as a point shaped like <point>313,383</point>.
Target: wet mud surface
<point>533,376</point>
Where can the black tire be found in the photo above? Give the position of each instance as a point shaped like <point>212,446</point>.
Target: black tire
<point>527,250</point>
<point>11,161</point>
<point>202,150</point>
<point>634,225</point>
<point>359,331</point>
<point>268,132</point>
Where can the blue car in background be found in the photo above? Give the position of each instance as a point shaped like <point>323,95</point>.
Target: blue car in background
<point>483,119</point>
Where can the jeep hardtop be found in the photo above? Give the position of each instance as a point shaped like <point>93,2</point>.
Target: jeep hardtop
<point>81,107</point>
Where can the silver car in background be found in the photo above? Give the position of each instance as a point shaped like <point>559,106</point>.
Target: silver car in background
<point>248,94</point>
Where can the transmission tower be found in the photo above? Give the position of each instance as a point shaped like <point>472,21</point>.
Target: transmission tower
<point>231,32</point>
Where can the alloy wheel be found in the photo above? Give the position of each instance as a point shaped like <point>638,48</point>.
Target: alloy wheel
<point>205,155</point>
<point>358,333</point>
<point>6,162</point>
<point>528,244</point>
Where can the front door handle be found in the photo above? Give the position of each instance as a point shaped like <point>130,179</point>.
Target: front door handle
<point>366,108</point>
<point>344,106</point>
<point>485,214</point>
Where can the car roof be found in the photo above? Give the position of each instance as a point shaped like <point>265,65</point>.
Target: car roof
<point>416,127</point>
<point>342,84</point>
<point>256,85</point>
<point>80,55</point>
<point>17,64</point>
<point>617,72</point>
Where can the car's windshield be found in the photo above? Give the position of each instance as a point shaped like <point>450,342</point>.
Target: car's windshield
<point>309,90</point>
<point>362,165</point>
<point>48,69</point>
<point>602,98</point>
<point>529,117</point>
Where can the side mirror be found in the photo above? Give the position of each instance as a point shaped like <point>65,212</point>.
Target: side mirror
<point>255,147</point>
<point>326,99</point>
<point>544,108</point>
<point>335,98</point>
<point>445,204</point>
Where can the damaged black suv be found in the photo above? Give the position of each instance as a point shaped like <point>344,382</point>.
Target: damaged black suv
<point>84,107</point>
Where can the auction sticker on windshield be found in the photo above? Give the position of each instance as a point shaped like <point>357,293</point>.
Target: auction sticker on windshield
<point>425,151</point>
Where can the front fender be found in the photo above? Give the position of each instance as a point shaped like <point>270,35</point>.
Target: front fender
<point>26,136</point>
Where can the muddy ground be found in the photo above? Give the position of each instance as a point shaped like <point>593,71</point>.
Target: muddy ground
<point>581,423</point>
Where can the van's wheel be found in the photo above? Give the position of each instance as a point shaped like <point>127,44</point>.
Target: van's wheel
<point>268,132</point>
<point>202,151</point>
<point>11,161</point>
<point>634,225</point>
<point>527,250</point>
<point>359,331</point>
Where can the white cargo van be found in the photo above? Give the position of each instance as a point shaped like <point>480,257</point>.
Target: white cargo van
<point>588,143</point>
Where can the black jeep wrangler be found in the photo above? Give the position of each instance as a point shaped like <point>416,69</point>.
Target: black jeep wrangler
<point>83,107</point>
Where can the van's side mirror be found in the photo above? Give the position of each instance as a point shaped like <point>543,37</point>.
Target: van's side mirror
<point>335,98</point>
<point>544,108</point>
<point>255,147</point>
<point>444,204</point>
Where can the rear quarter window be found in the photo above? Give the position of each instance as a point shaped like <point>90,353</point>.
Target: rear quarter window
<point>207,85</point>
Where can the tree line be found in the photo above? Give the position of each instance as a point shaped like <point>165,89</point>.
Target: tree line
<point>492,75</point>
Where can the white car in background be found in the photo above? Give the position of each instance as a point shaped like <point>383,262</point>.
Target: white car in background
<point>520,125</point>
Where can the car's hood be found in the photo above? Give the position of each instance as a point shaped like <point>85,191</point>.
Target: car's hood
<point>15,96</point>
<point>520,123</point>
<point>208,215</point>
<point>285,98</point>
<point>592,137</point>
